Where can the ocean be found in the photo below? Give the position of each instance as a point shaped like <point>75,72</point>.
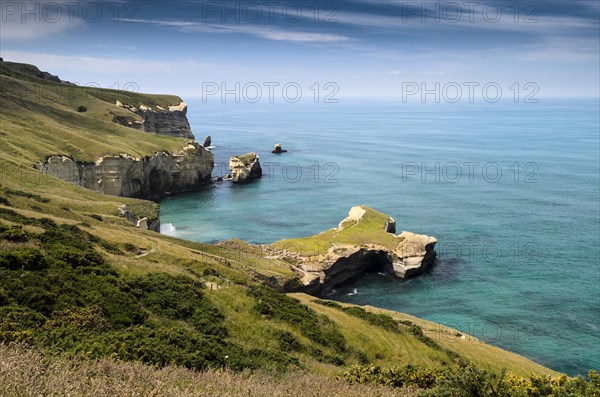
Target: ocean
<point>511,192</point>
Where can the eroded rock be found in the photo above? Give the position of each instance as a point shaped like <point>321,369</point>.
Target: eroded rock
<point>245,168</point>
<point>362,242</point>
<point>148,177</point>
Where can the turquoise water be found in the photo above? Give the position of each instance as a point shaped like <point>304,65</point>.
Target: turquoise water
<point>519,250</point>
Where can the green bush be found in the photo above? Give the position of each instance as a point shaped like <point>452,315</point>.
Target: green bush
<point>19,193</point>
<point>15,234</point>
<point>16,318</point>
<point>24,258</point>
<point>82,109</point>
<point>319,329</point>
<point>471,381</point>
<point>287,341</point>
<point>408,375</point>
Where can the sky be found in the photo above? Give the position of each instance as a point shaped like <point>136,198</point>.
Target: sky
<point>322,50</point>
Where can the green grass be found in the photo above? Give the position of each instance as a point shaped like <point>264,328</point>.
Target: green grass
<point>247,158</point>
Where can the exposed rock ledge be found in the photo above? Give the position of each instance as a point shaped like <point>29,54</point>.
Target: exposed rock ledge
<point>149,177</point>
<point>172,121</point>
<point>361,243</point>
<point>143,223</point>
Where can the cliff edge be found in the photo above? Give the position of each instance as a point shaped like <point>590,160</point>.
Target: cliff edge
<point>128,176</point>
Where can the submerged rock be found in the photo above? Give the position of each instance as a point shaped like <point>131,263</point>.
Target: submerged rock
<point>245,168</point>
<point>362,242</point>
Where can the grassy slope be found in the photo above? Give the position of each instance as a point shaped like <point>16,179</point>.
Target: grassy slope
<point>35,128</point>
<point>40,118</point>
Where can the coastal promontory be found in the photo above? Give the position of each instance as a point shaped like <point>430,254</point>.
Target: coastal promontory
<point>363,242</point>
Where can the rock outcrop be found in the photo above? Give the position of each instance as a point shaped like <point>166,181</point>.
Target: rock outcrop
<point>172,121</point>
<point>245,168</point>
<point>278,149</point>
<point>148,177</point>
<point>361,243</point>
<point>143,223</point>
<point>207,141</point>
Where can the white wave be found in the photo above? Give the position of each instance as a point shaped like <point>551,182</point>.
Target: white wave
<point>168,229</point>
<point>354,292</point>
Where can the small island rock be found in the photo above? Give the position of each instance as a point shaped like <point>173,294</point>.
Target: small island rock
<point>245,168</point>
<point>277,149</point>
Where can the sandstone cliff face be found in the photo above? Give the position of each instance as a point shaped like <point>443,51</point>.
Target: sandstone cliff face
<point>172,121</point>
<point>376,249</point>
<point>245,168</point>
<point>149,177</point>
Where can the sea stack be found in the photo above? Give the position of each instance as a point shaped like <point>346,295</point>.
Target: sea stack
<point>277,149</point>
<point>245,168</point>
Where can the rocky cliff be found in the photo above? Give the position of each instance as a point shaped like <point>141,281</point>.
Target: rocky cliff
<point>148,177</point>
<point>172,121</point>
<point>361,243</point>
<point>245,168</point>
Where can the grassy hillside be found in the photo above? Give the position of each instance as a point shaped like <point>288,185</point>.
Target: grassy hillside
<point>77,279</point>
<point>41,118</point>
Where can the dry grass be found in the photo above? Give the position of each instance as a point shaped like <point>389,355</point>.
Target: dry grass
<point>25,372</point>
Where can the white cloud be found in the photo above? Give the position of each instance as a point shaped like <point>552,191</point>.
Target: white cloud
<point>265,32</point>
<point>12,28</point>
<point>400,24</point>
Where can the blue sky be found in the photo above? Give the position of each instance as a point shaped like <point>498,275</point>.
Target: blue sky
<point>370,48</point>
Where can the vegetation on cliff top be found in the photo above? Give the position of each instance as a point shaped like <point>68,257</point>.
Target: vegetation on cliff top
<point>366,230</point>
<point>247,158</point>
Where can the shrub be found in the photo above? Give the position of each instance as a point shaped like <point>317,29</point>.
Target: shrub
<point>20,193</point>
<point>15,318</point>
<point>179,298</point>
<point>319,329</point>
<point>82,109</point>
<point>287,341</point>
<point>22,258</point>
<point>408,375</point>
<point>15,234</point>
